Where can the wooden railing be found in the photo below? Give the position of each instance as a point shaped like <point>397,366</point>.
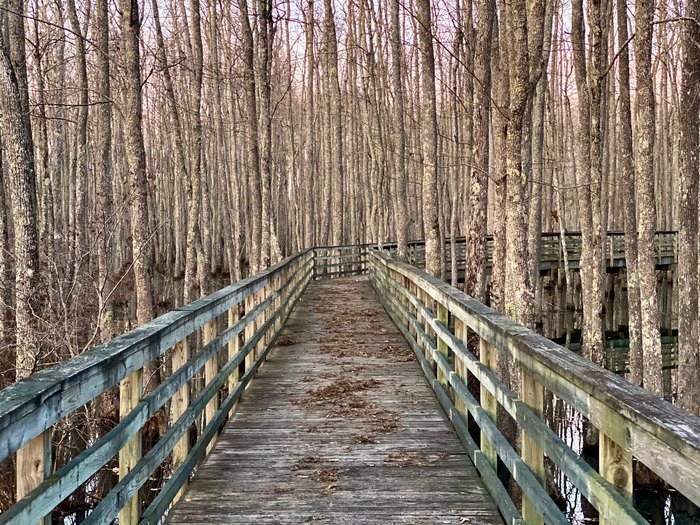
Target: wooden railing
<point>238,325</point>
<point>551,250</point>
<point>437,320</point>
<point>340,261</point>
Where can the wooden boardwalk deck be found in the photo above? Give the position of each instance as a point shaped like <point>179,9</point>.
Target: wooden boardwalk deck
<point>338,427</point>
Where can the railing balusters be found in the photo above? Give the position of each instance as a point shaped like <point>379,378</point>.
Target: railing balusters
<point>615,465</point>
<point>489,358</point>
<point>234,315</point>
<point>34,465</point>
<point>179,403</point>
<point>443,317</point>
<point>532,394</point>
<point>249,331</point>
<point>130,391</point>
<point>211,369</point>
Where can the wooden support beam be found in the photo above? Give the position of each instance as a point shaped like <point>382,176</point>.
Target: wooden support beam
<point>615,465</point>
<point>248,332</point>
<point>211,369</point>
<point>488,355</point>
<point>130,391</point>
<point>443,316</point>
<point>533,395</point>
<point>233,348</point>
<point>461,368</point>
<point>34,466</point>
<point>178,405</point>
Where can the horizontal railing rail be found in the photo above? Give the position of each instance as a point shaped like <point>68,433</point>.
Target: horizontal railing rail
<point>340,261</point>
<point>254,311</point>
<point>551,250</point>
<point>436,320</point>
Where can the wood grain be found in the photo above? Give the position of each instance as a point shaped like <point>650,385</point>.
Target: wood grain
<point>338,427</point>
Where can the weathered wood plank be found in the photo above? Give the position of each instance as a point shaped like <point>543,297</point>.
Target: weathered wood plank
<point>662,436</point>
<point>32,406</point>
<point>345,432</point>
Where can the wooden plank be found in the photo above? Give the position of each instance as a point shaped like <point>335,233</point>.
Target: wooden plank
<point>532,395</point>
<point>32,406</point>
<point>662,436</point>
<point>443,317</point>
<point>372,464</point>
<point>489,358</point>
<point>180,402</point>
<point>211,369</point>
<point>130,390</point>
<point>33,466</point>
<point>616,467</point>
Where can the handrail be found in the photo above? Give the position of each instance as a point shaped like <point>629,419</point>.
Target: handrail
<point>631,421</point>
<point>550,249</point>
<point>257,308</point>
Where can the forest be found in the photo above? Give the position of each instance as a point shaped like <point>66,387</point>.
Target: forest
<point>153,151</point>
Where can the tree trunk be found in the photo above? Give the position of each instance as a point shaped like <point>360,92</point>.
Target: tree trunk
<point>476,229</point>
<point>646,210</point>
<point>254,179</point>
<point>103,223</point>
<point>399,134</point>
<point>18,164</point>
<point>688,351</point>
<point>338,170</point>
<point>429,141</point>
<point>136,160</point>
<point>630,199</point>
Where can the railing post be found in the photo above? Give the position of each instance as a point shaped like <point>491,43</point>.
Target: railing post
<point>180,402</point>
<point>533,396</point>
<point>489,358</point>
<point>460,368</point>
<point>615,465</point>
<point>34,466</point>
<point>130,390</point>
<point>248,333</point>
<point>443,316</point>
<point>211,369</point>
<point>233,347</point>
<point>262,317</point>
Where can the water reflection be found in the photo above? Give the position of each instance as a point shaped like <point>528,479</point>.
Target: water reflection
<point>560,314</point>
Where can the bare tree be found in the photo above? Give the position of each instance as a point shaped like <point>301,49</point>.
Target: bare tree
<point>646,200</point>
<point>429,141</point>
<point>688,350</point>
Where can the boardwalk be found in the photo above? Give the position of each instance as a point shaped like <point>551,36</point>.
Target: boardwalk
<point>339,426</point>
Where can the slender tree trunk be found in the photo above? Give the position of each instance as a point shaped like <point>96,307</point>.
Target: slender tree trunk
<point>18,164</point>
<point>429,141</point>
<point>630,199</point>
<point>476,229</point>
<point>266,35</point>
<point>399,134</point>
<point>519,301</point>
<point>309,142</point>
<point>500,126</point>
<point>646,210</point>
<point>254,177</point>
<point>103,223</point>
<point>136,160</point>
<point>338,169</point>
<point>78,238</point>
<point>688,350</point>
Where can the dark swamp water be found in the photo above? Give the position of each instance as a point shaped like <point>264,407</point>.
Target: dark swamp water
<point>559,310</point>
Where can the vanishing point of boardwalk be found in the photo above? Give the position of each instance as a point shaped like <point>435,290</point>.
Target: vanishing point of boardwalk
<point>339,426</point>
